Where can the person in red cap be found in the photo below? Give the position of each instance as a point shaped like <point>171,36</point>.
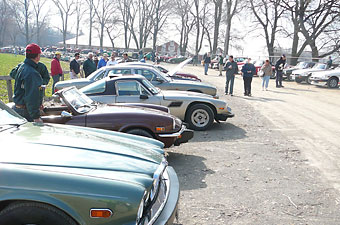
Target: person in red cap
<point>28,85</point>
<point>56,70</point>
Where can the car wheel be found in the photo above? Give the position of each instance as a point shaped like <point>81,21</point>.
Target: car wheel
<point>333,83</point>
<point>140,132</point>
<point>273,76</point>
<point>298,80</point>
<point>308,81</point>
<point>19,213</point>
<point>200,117</point>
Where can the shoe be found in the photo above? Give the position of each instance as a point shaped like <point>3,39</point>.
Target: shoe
<point>277,86</point>
<point>245,94</point>
<point>282,86</point>
<point>231,95</point>
<point>226,93</point>
<point>266,89</point>
<point>249,95</point>
<point>220,75</point>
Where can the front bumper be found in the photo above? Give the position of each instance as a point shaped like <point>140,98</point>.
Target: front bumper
<point>168,212</point>
<point>182,136</point>
<point>223,116</point>
<point>319,82</point>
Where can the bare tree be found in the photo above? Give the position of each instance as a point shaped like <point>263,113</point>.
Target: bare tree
<point>39,18</point>
<point>80,12</point>
<point>22,14</point>
<point>268,14</point>
<point>90,4</point>
<point>231,8</point>
<point>66,9</point>
<point>160,16</point>
<point>217,20</point>
<point>124,8</point>
<point>199,14</point>
<point>5,17</point>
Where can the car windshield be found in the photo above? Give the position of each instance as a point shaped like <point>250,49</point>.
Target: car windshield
<point>94,88</point>
<point>9,117</point>
<point>301,65</point>
<point>97,75</point>
<point>77,100</point>
<point>165,76</point>
<point>320,66</point>
<point>151,88</point>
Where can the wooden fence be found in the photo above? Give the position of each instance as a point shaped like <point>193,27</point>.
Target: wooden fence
<point>9,79</point>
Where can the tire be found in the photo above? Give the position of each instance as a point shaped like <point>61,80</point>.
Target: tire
<point>199,117</point>
<point>140,132</point>
<point>333,82</point>
<point>308,81</point>
<point>273,76</point>
<point>19,213</point>
<point>298,80</point>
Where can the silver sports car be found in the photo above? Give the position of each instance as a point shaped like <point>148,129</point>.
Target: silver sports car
<point>198,110</point>
<point>155,76</point>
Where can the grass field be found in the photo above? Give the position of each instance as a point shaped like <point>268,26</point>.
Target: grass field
<point>9,61</point>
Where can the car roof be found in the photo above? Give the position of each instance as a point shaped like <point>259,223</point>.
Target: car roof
<point>126,77</point>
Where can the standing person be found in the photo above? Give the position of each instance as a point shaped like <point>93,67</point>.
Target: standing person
<point>28,85</point>
<point>126,58</point>
<point>89,65</point>
<point>143,60</point>
<point>112,61</point>
<point>231,71</point>
<point>75,67</point>
<point>279,66</point>
<point>157,58</point>
<point>207,61</point>
<point>267,72</point>
<point>329,62</point>
<point>103,61</point>
<point>248,71</point>
<point>141,56</point>
<point>220,64</point>
<point>153,56</point>
<point>56,70</point>
<point>194,60</point>
<point>96,60</point>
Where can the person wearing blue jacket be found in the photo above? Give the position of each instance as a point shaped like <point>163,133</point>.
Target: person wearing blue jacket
<point>248,71</point>
<point>102,62</point>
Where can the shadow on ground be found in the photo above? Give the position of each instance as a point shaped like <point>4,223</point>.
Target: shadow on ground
<point>191,170</point>
<point>260,99</point>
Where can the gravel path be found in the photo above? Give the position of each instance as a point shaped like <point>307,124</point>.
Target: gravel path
<point>248,170</point>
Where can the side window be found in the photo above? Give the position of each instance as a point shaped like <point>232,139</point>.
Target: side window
<point>100,75</point>
<point>130,88</point>
<point>146,73</point>
<point>120,71</point>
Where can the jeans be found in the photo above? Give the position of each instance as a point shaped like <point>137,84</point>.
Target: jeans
<point>220,68</point>
<point>278,78</point>
<point>206,67</point>
<point>56,78</point>
<point>230,79</point>
<point>265,81</point>
<point>247,85</point>
<point>24,113</point>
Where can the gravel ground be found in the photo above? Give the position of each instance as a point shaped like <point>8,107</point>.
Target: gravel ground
<point>246,171</point>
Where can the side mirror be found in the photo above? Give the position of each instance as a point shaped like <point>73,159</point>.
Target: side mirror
<point>65,114</point>
<point>143,96</point>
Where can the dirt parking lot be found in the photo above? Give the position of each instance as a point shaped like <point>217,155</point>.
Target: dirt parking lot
<point>275,162</point>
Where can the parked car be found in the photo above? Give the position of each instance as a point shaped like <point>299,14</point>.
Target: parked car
<point>156,77</point>
<point>68,175</point>
<point>178,59</point>
<point>144,120</point>
<point>305,74</point>
<point>301,65</point>
<point>328,78</point>
<point>198,110</point>
<point>173,74</point>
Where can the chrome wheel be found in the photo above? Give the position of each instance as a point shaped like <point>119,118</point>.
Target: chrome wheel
<point>333,83</point>
<point>200,118</point>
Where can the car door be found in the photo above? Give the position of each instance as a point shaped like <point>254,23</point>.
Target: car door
<point>132,91</point>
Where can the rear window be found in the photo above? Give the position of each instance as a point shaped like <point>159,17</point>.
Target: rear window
<point>95,88</point>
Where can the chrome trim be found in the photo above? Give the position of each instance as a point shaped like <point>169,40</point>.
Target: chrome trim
<point>100,209</point>
<point>173,134</point>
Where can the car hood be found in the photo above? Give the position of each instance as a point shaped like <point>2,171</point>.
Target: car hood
<point>74,82</point>
<point>80,148</point>
<point>191,83</point>
<point>124,109</point>
<point>327,72</point>
<point>179,67</point>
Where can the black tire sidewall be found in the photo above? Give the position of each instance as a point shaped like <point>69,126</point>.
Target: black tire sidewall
<point>200,106</point>
<point>329,82</point>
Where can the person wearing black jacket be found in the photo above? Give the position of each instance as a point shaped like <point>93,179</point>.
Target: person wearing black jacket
<point>248,71</point>
<point>74,67</point>
<point>279,66</point>
<point>207,61</point>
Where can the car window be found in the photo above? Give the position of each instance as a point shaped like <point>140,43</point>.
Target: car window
<point>100,75</point>
<point>120,71</point>
<point>96,87</point>
<point>130,88</point>
<point>146,73</point>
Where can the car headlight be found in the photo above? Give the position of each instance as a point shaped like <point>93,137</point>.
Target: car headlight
<point>156,178</point>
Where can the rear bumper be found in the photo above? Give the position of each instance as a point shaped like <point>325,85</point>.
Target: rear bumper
<point>169,211</point>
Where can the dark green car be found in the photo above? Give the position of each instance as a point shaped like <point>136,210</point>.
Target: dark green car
<point>66,175</point>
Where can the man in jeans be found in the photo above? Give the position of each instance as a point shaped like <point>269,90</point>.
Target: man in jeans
<point>231,70</point>
<point>207,61</point>
<point>220,64</point>
<point>248,71</point>
<point>279,66</point>
<point>56,71</point>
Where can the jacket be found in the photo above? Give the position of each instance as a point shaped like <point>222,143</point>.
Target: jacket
<point>207,59</point>
<point>89,67</point>
<point>56,67</point>
<point>101,63</point>
<point>41,68</point>
<point>27,88</point>
<point>74,65</point>
<point>248,70</point>
<point>233,70</point>
<point>267,70</point>
<point>279,66</point>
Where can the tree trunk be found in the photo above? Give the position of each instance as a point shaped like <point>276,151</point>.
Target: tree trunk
<point>91,23</point>
<point>227,37</point>
<point>26,23</point>
<point>315,51</point>
<point>218,15</point>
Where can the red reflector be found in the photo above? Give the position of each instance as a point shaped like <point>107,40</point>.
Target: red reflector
<point>100,213</point>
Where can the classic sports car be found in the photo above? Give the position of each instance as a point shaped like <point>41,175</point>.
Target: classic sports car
<point>328,78</point>
<point>67,175</point>
<point>174,74</point>
<point>301,65</point>
<point>155,76</point>
<point>147,120</point>
<point>305,74</point>
<point>198,110</point>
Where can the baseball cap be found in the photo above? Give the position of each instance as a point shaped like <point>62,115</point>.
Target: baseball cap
<point>33,49</point>
<point>57,53</point>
